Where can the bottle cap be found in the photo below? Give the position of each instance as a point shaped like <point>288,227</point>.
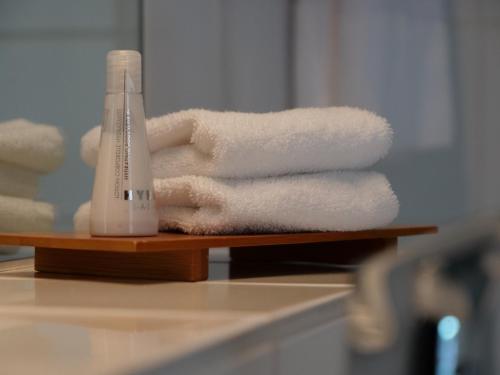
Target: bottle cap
<point>123,71</point>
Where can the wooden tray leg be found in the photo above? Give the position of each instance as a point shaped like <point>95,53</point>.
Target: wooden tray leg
<point>174,265</point>
<point>340,252</point>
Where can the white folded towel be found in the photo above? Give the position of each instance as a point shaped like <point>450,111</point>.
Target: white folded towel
<point>35,146</point>
<point>330,201</point>
<point>17,181</point>
<point>25,215</point>
<point>231,144</point>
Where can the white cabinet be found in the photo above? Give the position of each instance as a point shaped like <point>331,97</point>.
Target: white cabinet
<point>321,350</point>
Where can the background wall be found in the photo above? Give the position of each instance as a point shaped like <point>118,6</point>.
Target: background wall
<point>216,54</point>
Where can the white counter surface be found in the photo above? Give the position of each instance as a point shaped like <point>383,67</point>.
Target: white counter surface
<point>61,324</point>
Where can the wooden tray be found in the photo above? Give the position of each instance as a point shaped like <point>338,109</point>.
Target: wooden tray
<point>174,256</point>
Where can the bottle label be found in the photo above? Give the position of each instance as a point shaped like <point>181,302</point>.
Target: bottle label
<point>141,195</point>
<point>123,130</point>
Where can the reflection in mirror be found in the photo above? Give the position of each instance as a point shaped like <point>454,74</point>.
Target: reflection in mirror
<point>52,78</point>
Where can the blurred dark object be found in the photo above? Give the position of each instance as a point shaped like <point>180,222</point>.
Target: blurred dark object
<point>431,310</point>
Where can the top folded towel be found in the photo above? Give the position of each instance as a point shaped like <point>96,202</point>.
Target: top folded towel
<point>232,144</point>
<point>35,146</point>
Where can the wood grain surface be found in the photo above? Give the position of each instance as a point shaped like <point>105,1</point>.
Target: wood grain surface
<point>340,252</point>
<point>177,241</point>
<point>181,265</point>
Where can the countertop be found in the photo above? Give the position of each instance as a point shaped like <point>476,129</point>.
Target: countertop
<point>80,325</point>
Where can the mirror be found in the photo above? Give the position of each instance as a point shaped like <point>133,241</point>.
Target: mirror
<point>52,72</point>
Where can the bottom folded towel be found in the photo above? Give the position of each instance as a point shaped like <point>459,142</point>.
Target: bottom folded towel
<point>18,181</point>
<point>330,201</point>
<point>25,215</point>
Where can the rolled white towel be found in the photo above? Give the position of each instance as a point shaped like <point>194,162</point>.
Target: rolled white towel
<point>232,144</point>
<point>330,201</point>
<point>17,181</point>
<point>25,215</point>
<point>35,146</point>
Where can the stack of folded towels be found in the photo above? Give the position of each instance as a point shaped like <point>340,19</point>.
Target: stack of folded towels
<point>27,151</point>
<point>229,172</point>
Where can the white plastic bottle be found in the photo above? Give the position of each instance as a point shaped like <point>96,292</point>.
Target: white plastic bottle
<point>123,196</point>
